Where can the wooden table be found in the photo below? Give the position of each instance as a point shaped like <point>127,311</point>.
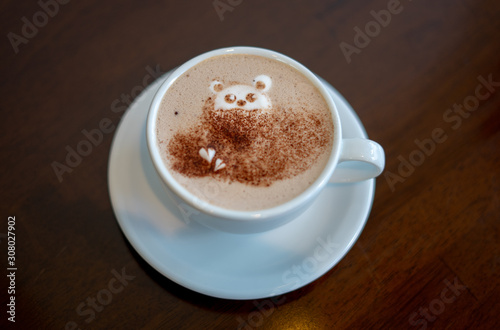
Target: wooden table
<point>423,76</point>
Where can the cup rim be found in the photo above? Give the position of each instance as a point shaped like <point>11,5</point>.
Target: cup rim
<point>239,215</point>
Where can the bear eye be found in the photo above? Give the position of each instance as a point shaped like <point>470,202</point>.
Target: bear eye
<point>230,98</point>
<point>251,97</point>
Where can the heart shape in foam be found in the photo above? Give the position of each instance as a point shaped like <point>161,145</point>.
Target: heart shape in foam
<point>207,155</point>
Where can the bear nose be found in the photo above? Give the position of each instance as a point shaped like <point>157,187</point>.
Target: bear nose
<point>241,103</point>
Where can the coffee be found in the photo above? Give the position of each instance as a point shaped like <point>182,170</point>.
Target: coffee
<point>244,132</point>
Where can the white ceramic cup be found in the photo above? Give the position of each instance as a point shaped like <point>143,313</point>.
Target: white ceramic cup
<point>364,159</point>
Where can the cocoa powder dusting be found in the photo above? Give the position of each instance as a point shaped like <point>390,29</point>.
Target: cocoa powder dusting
<point>258,148</point>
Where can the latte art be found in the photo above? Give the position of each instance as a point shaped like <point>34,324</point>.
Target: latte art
<point>254,126</point>
<point>242,96</point>
<point>248,146</point>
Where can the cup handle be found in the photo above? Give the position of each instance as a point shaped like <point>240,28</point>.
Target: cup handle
<point>360,159</point>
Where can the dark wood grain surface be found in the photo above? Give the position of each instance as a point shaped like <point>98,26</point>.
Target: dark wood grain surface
<point>423,76</point>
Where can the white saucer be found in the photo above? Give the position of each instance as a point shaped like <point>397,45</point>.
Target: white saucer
<point>227,265</point>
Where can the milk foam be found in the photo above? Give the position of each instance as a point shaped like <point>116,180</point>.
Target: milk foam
<point>244,155</point>
<point>243,97</point>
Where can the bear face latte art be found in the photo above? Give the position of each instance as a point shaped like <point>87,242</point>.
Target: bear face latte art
<point>244,132</point>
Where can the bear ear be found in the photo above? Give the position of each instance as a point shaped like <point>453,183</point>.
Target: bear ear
<point>216,86</point>
<point>262,83</point>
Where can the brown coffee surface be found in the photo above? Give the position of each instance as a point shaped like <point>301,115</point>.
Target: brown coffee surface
<point>239,156</point>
